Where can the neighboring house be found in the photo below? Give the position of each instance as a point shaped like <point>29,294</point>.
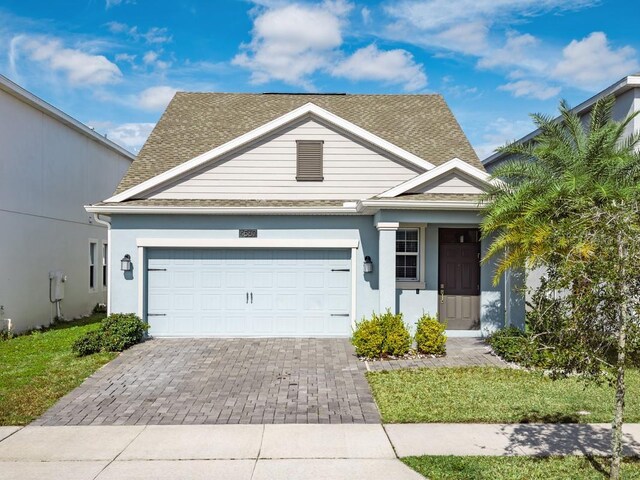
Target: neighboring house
<point>52,253</point>
<point>298,215</point>
<point>627,94</point>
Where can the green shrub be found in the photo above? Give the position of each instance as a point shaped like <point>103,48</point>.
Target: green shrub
<point>368,339</point>
<point>117,332</point>
<point>120,331</point>
<point>513,345</point>
<point>430,337</point>
<point>397,339</point>
<point>381,335</point>
<point>90,342</point>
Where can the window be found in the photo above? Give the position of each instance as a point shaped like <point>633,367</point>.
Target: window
<point>104,265</point>
<point>407,254</point>
<point>309,161</point>
<point>92,265</point>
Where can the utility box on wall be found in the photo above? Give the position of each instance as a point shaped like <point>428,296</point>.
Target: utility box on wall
<point>57,280</point>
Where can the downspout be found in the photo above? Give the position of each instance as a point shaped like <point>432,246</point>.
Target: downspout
<point>107,223</point>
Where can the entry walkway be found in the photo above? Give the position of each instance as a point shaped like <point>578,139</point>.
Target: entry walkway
<point>461,352</point>
<point>260,452</point>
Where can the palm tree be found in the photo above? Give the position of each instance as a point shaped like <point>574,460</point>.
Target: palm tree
<point>569,202</point>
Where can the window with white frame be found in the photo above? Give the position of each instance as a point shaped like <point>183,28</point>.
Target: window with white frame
<point>407,254</point>
<point>92,265</point>
<point>104,265</point>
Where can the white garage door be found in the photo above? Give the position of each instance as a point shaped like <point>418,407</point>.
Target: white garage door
<point>227,292</point>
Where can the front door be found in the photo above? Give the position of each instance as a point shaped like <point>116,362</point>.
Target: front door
<point>459,278</point>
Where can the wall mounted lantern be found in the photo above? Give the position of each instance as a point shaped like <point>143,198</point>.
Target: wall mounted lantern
<point>368,264</point>
<point>125,263</point>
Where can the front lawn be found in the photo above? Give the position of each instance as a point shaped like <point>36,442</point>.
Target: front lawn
<point>518,468</point>
<point>38,368</point>
<point>494,395</point>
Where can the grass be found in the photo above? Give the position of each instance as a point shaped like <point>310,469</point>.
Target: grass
<point>518,468</point>
<point>495,395</point>
<point>39,368</point>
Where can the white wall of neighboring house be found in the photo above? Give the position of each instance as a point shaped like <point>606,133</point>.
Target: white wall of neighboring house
<point>50,167</point>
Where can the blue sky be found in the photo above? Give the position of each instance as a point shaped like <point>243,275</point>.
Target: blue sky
<point>114,64</point>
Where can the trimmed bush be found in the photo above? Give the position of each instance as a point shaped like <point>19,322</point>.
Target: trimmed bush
<point>430,337</point>
<point>515,346</point>
<point>117,332</point>
<point>381,335</point>
<point>121,330</point>
<point>89,343</point>
<point>368,338</point>
<point>397,339</point>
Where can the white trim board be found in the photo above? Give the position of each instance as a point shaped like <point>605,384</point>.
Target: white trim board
<point>293,243</point>
<point>242,140</point>
<point>451,165</point>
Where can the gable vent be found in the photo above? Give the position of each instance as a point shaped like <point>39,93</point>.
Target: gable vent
<point>309,161</point>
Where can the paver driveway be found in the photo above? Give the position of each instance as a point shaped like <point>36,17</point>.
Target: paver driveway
<point>221,381</point>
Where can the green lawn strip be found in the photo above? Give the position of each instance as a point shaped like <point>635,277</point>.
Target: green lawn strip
<point>518,468</point>
<point>494,395</point>
<point>39,368</point>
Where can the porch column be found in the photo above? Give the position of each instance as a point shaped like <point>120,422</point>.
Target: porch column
<point>387,264</point>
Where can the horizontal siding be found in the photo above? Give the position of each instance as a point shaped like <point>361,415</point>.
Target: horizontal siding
<point>268,170</point>
<point>451,183</point>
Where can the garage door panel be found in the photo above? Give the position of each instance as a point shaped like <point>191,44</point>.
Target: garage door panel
<point>204,292</point>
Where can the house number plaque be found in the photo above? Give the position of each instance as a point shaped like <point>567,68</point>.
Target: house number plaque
<point>248,233</point>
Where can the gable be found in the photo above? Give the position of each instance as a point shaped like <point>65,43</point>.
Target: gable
<point>453,182</point>
<point>266,169</point>
<point>196,123</point>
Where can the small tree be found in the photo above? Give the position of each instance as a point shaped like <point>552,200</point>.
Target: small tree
<point>570,203</point>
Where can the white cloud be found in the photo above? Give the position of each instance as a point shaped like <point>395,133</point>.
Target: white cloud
<point>115,3</point>
<point>155,98</point>
<point>366,15</point>
<point>80,68</point>
<point>518,50</point>
<point>391,66</point>
<point>500,132</point>
<point>152,59</point>
<point>154,35</point>
<point>592,62</point>
<point>129,135</point>
<point>529,88</point>
<point>468,38</point>
<point>435,15</point>
<point>291,42</point>
<point>480,28</point>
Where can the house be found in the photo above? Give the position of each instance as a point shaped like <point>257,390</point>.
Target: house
<point>627,95</point>
<point>52,253</point>
<point>299,214</point>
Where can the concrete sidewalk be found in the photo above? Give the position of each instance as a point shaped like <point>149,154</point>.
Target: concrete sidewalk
<point>235,452</point>
<point>293,451</point>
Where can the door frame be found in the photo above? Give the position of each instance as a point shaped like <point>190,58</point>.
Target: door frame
<point>245,243</point>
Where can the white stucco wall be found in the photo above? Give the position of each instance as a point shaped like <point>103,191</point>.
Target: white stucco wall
<point>48,172</point>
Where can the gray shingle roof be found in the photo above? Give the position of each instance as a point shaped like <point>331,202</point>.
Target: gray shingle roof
<point>195,123</point>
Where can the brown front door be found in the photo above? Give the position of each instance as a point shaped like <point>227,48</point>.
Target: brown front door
<point>459,278</point>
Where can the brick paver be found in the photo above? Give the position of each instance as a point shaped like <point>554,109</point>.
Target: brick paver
<point>461,352</point>
<point>223,381</point>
